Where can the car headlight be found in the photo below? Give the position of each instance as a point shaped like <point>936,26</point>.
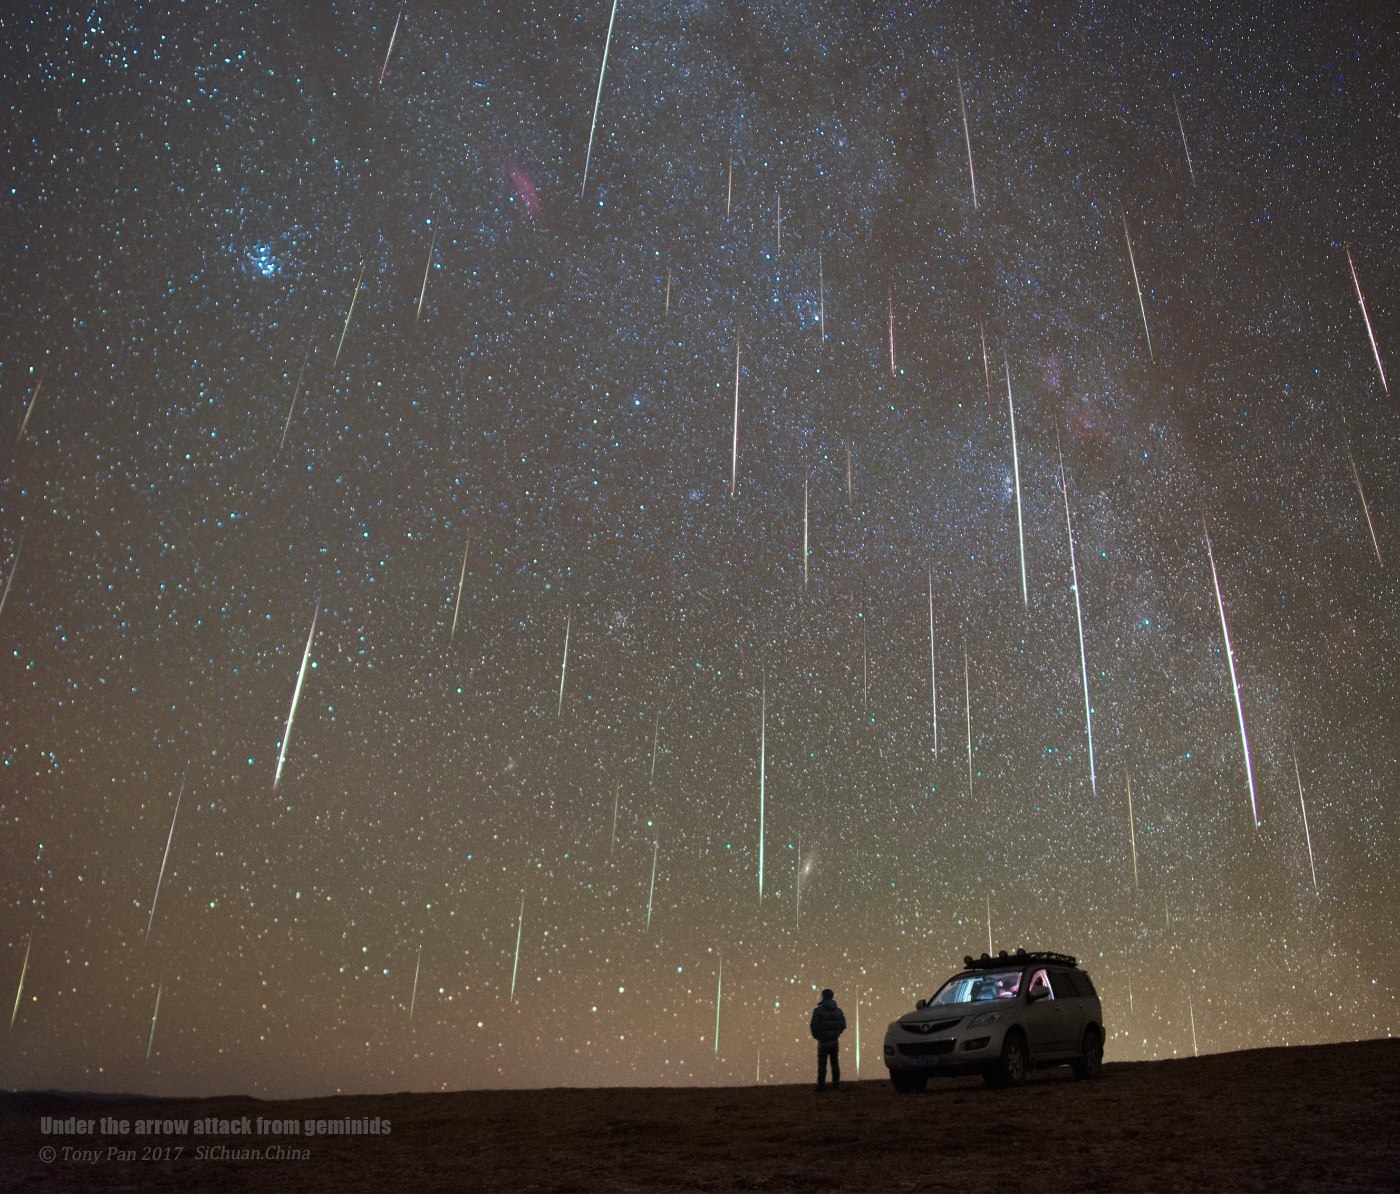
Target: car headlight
<point>984,1018</point>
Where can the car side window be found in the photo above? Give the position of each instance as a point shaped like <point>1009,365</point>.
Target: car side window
<point>1040,981</point>
<point>1065,985</point>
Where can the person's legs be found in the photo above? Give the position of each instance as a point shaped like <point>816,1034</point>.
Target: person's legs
<point>835,1067</point>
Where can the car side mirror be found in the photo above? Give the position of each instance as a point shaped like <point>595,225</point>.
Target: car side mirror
<point>923,1003</point>
<point>1036,994</point>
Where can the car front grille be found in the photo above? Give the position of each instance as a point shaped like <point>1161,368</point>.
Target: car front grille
<point>926,1048</point>
<point>927,1026</point>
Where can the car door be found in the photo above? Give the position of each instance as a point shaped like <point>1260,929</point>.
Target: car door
<point>1043,1021</point>
<point>1073,1006</point>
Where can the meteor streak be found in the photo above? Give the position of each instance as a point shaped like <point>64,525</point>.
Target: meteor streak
<point>967,136</point>
<point>729,193</point>
<point>1184,146</point>
<point>734,461</point>
<point>1234,681</point>
<point>1361,298</point>
<point>390,50</point>
<point>14,564</point>
<point>932,663</point>
<point>349,314</point>
<point>1079,622</point>
<point>1132,829</point>
<point>967,701</point>
<point>1306,831</point>
<point>413,998</point>
<point>598,99</point>
<point>655,848</point>
<point>806,478</point>
<point>19,991</point>
<point>564,666</point>
<point>423,290</point>
<point>1016,466</point>
<point>29,410</point>
<point>989,922</point>
<point>762,776</point>
<point>519,928</point>
<point>1138,287</point>
<point>865,667</point>
<point>1366,507</point>
<point>612,841</point>
<point>1191,1008</point>
<point>151,1040</point>
<point>667,311</point>
<point>719,998</point>
<point>986,368</point>
<point>296,697</point>
<point>293,405</point>
<point>170,837</point>
<point>891,296</point>
<point>461,582</point>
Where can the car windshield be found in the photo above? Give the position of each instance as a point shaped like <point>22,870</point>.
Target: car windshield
<point>978,988</point>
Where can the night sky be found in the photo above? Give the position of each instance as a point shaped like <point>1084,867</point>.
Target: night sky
<point>282,342</point>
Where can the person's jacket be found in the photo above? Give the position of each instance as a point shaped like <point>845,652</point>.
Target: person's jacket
<point>828,1022</point>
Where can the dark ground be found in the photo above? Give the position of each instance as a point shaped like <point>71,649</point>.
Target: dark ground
<point>1305,1118</point>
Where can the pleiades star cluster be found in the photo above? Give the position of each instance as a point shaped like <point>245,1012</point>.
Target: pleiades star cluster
<point>536,537</point>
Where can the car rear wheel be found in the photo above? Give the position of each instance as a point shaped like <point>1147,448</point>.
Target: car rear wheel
<point>908,1083</point>
<point>1089,1063</point>
<point>1011,1067</point>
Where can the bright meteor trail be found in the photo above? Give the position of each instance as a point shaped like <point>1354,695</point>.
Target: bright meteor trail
<point>1370,332</point>
<point>967,136</point>
<point>165,858</point>
<point>1137,286</point>
<point>349,314</point>
<point>296,696</point>
<point>564,665</point>
<point>1234,681</point>
<point>597,100</point>
<point>1016,466</point>
<point>762,777</point>
<point>734,460</point>
<point>19,991</point>
<point>1306,831</point>
<point>1079,621</point>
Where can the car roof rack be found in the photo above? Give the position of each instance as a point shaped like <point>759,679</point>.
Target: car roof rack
<point>1019,958</point>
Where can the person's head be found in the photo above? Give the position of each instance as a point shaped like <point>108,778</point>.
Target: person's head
<point>828,993</point>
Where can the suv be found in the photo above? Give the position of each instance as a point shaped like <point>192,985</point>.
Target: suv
<point>1000,1017</point>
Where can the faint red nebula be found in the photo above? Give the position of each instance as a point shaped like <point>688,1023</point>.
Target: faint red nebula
<point>521,184</point>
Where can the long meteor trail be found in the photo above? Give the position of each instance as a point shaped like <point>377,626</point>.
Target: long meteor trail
<point>651,893</point>
<point>1016,466</point>
<point>762,777</point>
<point>1079,621</point>
<point>967,702</point>
<point>519,928</point>
<point>19,991</point>
<point>1132,829</point>
<point>967,136</point>
<point>1176,107</point>
<point>384,69</point>
<point>564,665</point>
<point>170,837</point>
<point>461,581</point>
<point>350,313</point>
<point>151,1040</point>
<point>932,663</point>
<point>1234,680</point>
<point>597,100</point>
<point>1365,507</point>
<point>423,290</point>
<point>1137,285</point>
<point>296,697</point>
<point>1370,332</point>
<point>1306,831</point>
<point>293,404</point>
<point>5,596</point>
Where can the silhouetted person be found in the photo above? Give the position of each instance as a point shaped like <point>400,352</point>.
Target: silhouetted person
<point>828,1023</point>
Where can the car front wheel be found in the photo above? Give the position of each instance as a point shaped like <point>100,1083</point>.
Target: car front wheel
<point>1089,1063</point>
<point>1011,1067</point>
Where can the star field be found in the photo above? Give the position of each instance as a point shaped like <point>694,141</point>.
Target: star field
<point>281,340</point>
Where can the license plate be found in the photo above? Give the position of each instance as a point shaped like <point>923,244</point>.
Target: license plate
<point>926,1061</point>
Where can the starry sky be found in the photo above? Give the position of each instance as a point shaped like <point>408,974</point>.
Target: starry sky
<point>328,385</point>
